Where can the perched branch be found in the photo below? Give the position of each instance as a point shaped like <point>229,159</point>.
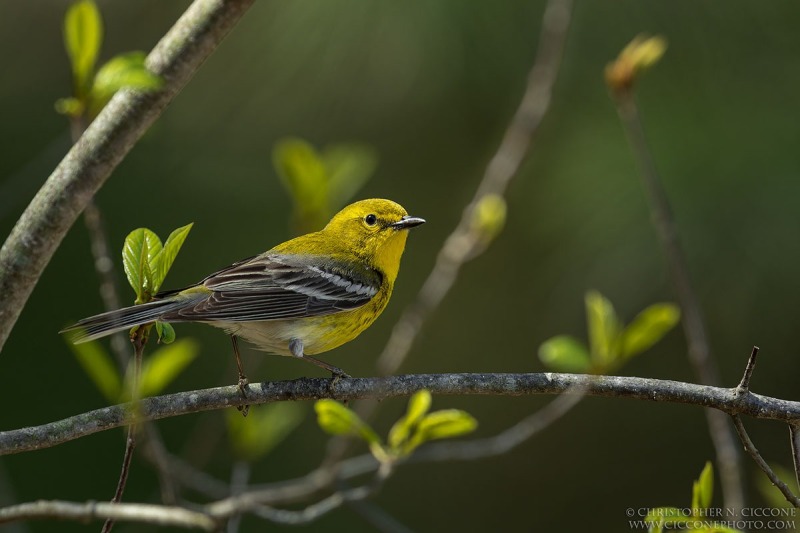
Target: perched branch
<point>44,436</point>
<point>130,512</point>
<point>105,143</point>
<point>762,464</point>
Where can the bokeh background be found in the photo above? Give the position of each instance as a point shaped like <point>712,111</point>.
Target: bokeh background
<point>431,86</point>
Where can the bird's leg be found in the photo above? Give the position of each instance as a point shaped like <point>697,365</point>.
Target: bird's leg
<point>296,348</point>
<point>243,381</point>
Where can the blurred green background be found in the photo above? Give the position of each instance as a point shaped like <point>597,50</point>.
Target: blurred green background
<point>431,86</point>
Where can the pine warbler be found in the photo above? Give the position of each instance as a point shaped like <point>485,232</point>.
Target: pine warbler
<point>303,297</point>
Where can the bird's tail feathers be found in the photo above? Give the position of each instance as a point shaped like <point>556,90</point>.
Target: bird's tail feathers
<point>104,324</point>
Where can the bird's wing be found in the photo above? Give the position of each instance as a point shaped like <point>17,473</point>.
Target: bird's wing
<point>279,286</point>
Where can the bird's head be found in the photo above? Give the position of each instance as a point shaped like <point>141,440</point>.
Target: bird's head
<point>377,230</point>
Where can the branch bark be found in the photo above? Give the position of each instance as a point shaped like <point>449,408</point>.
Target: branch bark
<point>656,390</point>
<point>131,512</point>
<point>89,163</point>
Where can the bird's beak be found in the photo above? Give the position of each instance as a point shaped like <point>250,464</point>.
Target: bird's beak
<point>408,222</point>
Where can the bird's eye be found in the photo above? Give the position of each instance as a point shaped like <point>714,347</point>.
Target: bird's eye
<point>370,219</point>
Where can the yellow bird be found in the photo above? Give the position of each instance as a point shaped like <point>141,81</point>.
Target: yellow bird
<point>303,297</point>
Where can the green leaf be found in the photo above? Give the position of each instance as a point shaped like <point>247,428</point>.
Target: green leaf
<point>264,428</point>
<point>348,168</point>
<point>141,246</point>
<point>703,488</point>
<point>166,333</point>
<point>442,424</point>
<point>125,70</point>
<point>649,327</point>
<point>162,262</point>
<point>304,176</point>
<point>72,107</point>
<point>418,406</point>
<point>564,353</point>
<point>83,34</point>
<point>166,363</point>
<point>604,328</point>
<point>97,363</point>
<point>489,217</point>
<point>336,419</point>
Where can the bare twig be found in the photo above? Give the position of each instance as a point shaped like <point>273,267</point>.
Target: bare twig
<point>699,350</point>
<point>239,478</point>
<point>129,512</point>
<point>158,407</point>
<point>377,517</point>
<point>139,340</point>
<point>253,501</point>
<point>463,244</point>
<point>762,464</point>
<point>470,450</point>
<point>794,437</point>
<point>105,143</point>
<point>156,453</point>
<point>744,384</point>
<point>103,265</point>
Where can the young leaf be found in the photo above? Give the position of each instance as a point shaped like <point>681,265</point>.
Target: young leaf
<point>83,34</point>
<point>337,419</point>
<point>265,427</point>
<point>348,168</point>
<point>603,328</point>
<point>163,261</point>
<point>703,489</point>
<point>141,246</point>
<point>564,353</point>
<point>443,424</point>
<point>489,217</point>
<point>166,363</point>
<point>649,327</point>
<point>418,406</point>
<point>124,70</point>
<point>166,333</point>
<point>305,178</point>
<point>72,107</point>
<point>97,363</point>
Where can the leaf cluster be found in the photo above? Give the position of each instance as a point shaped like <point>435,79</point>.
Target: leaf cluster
<point>611,343</point>
<point>83,36</point>
<point>415,428</point>
<point>321,182</point>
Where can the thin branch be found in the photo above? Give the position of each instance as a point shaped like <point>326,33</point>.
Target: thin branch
<point>762,464</point>
<point>239,478</point>
<point>464,244</point>
<point>103,264</point>
<point>139,340</point>
<point>253,501</point>
<point>128,512</point>
<point>470,450</point>
<point>794,437</point>
<point>744,384</point>
<point>105,143</point>
<point>377,517</point>
<point>158,407</point>
<point>699,349</point>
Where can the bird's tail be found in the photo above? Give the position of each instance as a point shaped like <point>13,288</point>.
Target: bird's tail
<point>104,324</point>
